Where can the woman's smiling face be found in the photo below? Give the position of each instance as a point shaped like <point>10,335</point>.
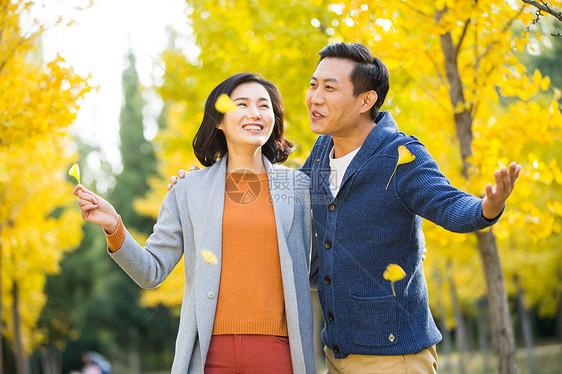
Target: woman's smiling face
<point>251,124</point>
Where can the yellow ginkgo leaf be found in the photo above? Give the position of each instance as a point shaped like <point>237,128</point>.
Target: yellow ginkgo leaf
<point>404,156</point>
<point>75,172</point>
<point>393,273</point>
<point>209,257</point>
<point>4,176</point>
<point>224,104</point>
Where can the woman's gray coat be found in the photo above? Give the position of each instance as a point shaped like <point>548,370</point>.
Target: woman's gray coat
<point>190,220</point>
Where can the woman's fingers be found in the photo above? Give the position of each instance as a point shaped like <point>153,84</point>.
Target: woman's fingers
<point>85,202</point>
<point>83,193</point>
<point>77,189</point>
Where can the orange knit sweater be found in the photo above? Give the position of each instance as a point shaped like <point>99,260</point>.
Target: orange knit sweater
<point>250,297</point>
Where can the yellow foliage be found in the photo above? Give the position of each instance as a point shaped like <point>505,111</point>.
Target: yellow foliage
<point>37,226</point>
<point>281,43</point>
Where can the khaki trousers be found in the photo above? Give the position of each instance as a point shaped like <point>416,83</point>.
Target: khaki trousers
<point>424,362</point>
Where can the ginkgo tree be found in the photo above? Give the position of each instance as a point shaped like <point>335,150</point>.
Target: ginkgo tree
<point>39,101</point>
<point>455,83</point>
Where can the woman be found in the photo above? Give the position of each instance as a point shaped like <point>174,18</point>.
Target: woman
<point>243,225</point>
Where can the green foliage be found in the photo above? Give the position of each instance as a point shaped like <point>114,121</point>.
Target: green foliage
<point>137,154</point>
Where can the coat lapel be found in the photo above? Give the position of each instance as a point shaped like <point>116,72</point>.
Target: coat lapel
<point>208,200</point>
<point>281,187</point>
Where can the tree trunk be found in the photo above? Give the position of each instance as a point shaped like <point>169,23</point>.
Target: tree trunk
<point>560,319</point>
<point>134,365</point>
<point>21,367</point>
<point>502,331</point>
<point>460,333</point>
<point>483,328</point>
<point>1,320</point>
<point>497,297</point>
<point>447,347</point>
<point>526,328</point>
<point>51,361</point>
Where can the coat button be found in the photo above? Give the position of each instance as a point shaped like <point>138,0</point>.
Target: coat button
<point>332,207</point>
<point>327,244</point>
<point>327,280</point>
<point>336,349</point>
<point>210,294</point>
<point>330,316</point>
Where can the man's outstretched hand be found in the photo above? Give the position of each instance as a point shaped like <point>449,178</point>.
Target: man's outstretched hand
<point>494,201</point>
<point>181,174</point>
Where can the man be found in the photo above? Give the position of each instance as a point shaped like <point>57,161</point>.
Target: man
<point>368,203</point>
<point>369,216</point>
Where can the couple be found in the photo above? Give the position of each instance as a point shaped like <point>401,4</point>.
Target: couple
<point>246,305</point>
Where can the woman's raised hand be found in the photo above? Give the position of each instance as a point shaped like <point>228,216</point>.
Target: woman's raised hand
<point>95,209</point>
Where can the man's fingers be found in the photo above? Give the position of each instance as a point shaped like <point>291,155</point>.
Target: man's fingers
<point>173,180</point>
<point>503,185</point>
<point>169,187</point>
<point>514,170</point>
<point>193,168</point>
<point>489,190</point>
<point>181,173</point>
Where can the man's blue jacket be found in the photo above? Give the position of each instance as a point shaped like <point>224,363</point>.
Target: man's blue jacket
<point>366,227</point>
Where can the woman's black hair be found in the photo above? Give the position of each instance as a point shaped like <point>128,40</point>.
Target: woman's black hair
<point>209,144</point>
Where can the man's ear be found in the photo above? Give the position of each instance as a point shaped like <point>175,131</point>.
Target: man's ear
<point>369,99</point>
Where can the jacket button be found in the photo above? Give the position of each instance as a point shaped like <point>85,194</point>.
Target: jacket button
<point>336,349</point>
<point>332,207</point>
<point>327,244</point>
<point>210,294</point>
<point>327,280</point>
<point>331,316</point>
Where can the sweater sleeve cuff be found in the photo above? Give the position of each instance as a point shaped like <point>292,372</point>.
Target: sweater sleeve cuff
<point>492,221</point>
<point>116,240</point>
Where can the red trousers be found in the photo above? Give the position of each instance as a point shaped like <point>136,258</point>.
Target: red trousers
<point>248,354</point>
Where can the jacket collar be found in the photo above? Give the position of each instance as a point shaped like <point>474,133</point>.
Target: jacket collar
<point>385,126</point>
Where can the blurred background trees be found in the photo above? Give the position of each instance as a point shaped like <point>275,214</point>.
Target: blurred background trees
<point>478,83</point>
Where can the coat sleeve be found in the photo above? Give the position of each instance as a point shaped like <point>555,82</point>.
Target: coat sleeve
<point>425,191</point>
<point>150,265</point>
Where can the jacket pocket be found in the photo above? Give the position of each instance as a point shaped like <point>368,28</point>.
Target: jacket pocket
<point>375,321</point>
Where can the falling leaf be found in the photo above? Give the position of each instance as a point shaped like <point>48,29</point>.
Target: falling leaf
<point>404,156</point>
<point>394,273</point>
<point>209,257</point>
<point>224,104</point>
<point>75,172</point>
<point>4,176</point>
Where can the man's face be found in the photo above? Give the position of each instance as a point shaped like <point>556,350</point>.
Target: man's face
<point>332,107</point>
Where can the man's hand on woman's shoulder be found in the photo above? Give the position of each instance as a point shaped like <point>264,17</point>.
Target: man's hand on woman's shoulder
<point>181,174</point>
